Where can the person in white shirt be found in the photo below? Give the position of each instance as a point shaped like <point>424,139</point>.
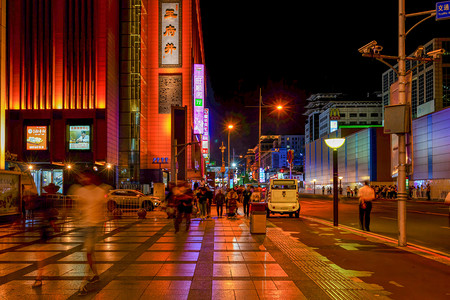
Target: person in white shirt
<point>366,196</point>
<point>84,138</point>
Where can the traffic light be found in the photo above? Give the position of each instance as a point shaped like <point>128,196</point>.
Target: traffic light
<point>282,171</point>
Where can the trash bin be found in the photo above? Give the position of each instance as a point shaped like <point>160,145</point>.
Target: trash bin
<point>257,217</point>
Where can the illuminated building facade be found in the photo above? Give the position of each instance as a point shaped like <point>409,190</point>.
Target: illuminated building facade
<point>171,44</point>
<point>62,78</point>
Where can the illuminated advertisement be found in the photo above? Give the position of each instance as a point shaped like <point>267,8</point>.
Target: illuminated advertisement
<point>333,125</point>
<point>205,135</point>
<point>199,94</point>
<point>36,137</point>
<point>79,137</point>
<point>262,175</point>
<point>170,38</point>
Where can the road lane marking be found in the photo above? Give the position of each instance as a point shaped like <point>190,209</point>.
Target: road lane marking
<point>395,283</point>
<point>389,218</point>
<point>445,227</point>
<point>427,213</point>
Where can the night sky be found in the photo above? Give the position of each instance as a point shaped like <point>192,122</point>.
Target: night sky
<point>291,49</point>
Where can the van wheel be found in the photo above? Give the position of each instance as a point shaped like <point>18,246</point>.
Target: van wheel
<point>268,213</point>
<point>297,214</point>
<point>291,215</point>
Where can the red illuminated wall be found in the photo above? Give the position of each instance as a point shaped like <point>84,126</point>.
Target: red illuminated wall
<point>63,55</point>
<point>156,127</point>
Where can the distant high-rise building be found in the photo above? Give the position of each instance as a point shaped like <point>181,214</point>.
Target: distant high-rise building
<point>330,111</point>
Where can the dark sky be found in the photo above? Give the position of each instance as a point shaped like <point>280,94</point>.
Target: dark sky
<point>291,49</point>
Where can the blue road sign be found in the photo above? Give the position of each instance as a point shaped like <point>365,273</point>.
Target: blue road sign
<point>442,10</point>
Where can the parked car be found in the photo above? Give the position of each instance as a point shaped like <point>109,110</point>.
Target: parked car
<point>125,198</point>
<point>283,197</point>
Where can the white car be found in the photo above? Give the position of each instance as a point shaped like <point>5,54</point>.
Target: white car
<point>131,199</point>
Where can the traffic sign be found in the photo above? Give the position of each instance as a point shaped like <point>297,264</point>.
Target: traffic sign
<point>442,10</point>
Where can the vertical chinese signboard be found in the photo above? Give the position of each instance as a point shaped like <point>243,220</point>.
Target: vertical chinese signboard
<point>199,94</point>
<point>170,33</point>
<point>205,136</point>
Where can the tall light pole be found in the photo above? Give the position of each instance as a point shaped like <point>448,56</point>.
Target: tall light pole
<point>334,144</point>
<point>259,138</point>
<point>373,50</point>
<point>230,126</point>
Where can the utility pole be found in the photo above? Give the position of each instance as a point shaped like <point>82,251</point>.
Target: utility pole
<point>222,169</point>
<point>259,137</point>
<point>401,179</point>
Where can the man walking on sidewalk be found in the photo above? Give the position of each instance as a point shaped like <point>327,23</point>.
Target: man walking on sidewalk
<point>220,199</point>
<point>366,195</point>
<point>246,199</point>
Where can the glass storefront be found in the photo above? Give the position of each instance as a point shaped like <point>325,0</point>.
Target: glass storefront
<point>44,177</point>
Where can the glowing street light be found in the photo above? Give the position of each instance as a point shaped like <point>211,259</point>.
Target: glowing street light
<point>230,127</point>
<point>279,107</point>
<point>335,143</point>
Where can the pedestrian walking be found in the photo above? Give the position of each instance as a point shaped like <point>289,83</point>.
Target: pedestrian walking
<point>323,190</point>
<point>183,198</point>
<point>246,199</point>
<point>219,199</point>
<point>366,196</point>
<point>428,192</point>
<point>231,199</point>
<point>202,199</point>
<point>91,205</point>
<point>348,191</point>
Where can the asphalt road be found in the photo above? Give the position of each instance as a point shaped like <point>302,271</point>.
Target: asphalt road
<point>428,224</point>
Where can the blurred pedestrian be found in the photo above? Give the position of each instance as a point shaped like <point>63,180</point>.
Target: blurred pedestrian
<point>219,199</point>
<point>348,191</point>
<point>366,196</point>
<point>231,199</point>
<point>428,192</point>
<point>184,199</point>
<point>46,217</point>
<point>90,194</point>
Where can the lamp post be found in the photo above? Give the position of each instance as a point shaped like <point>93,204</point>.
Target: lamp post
<point>372,50</point>
<point>314,181</point>
<point>335,143</point>
<point>230,126</point>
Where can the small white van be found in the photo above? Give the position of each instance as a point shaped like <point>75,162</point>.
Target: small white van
<point>282,197</point>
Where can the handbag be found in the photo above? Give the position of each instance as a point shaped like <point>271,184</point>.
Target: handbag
<point>363,205</point>
<point>170,210</point>
<point>194,210</point>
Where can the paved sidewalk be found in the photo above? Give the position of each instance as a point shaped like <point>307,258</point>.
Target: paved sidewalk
<point>143,259</point>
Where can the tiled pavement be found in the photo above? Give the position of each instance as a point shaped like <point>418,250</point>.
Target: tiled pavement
<point>146,259</point>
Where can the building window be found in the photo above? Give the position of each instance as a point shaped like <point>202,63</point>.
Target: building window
<point>374,115</point>
<point>421,89</point>
<point>414,98</point>
<point>429,86</point>
<point>342,115</point>
<point>352,115</point>
<point>446,85</point>
<point>362,115</point>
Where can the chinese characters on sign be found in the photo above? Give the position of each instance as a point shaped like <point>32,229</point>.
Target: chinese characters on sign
<point>36,137</point>
<point>79,137</point>
<point>170,92</point>
<point>199,94</point>
<point>205,136</point>
<point>170,30</point>
<point>443,10</point>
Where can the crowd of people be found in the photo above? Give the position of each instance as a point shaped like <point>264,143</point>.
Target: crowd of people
<point>183,202</point>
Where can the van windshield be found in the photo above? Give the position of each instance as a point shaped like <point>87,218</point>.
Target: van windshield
<point>284,187</point>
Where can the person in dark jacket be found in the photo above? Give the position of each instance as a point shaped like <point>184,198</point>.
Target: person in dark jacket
<point>220,199</point>
<point>246,199</point>
<point>183,198</point>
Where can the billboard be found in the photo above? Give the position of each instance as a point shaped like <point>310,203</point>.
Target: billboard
<point>199,94</point>
<point>79,137</point>
<point>205,135</point>
<point>170,33</point>
<point>36,137</point>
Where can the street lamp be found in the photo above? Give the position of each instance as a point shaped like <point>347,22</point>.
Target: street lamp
<point>335,143</point>
<point>340,184</point>
<point>314,181</point>
<point>230,127</point>
<point>372,50</point>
